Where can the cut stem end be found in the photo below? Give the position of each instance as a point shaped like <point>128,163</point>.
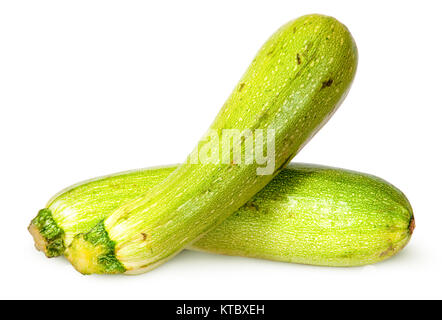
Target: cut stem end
<point>48,236</point>
<point>94,252</point>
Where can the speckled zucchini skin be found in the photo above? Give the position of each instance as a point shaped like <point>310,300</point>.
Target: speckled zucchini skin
<point>307,214</point>
<point>320,216</point>
<point>294,84</point>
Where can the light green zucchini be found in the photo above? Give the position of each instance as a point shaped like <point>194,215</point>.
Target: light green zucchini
<point>292,87</point>
<point>307,214</point>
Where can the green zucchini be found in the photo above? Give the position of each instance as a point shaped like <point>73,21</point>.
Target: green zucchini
<point>292,87</point>
<point>307,214</point>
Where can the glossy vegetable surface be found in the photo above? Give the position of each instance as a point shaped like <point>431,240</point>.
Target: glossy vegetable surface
<point>294,84</point>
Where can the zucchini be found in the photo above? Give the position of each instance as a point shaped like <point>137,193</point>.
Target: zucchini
<point>307,214</point>
<point>292,87</point>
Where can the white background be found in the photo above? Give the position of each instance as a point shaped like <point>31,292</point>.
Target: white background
<point>94,87</point>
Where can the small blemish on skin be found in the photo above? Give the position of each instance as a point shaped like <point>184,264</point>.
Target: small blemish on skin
<point>251,205</point>
<point>387,252</point>
<point>327,83</point>
<point>298,58</point>
<point>241,86</point>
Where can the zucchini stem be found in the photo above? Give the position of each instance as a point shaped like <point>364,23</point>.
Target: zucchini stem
<point>94,252</point>
<point>48,236</point>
